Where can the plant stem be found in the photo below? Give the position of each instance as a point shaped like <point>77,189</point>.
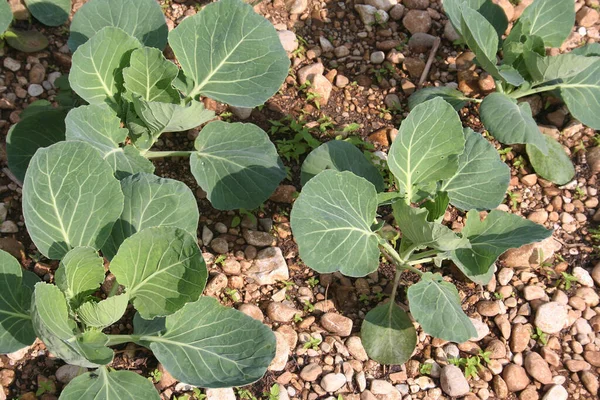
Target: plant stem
<point>161,154</point>
<point>420,261</point>
<point>423,254</point>
<point>114,340</point>
<point>399,261</point>
<point>395,288</point>
<point>518,94</point>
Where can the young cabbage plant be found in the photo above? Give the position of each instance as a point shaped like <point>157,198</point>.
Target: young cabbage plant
<point>74,206</point>
<point>227,52</point>
<point>526,70</point>
<point>435,162</point>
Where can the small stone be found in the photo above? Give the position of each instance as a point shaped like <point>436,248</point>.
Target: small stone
<point>450,33</point>
<point>416,4</point>
<point>356,349</point>
<point>220,394</point>
<point>341,81</point>
<point>66,373</point>
<point>298,6</point>
<point>35,90</point>
<point>592,157</point>
<point>309,72</point>
<point>37,73</point>
<point>337,324</point>
<point>284,194</point>
<point>577,365</point>
<point>366,13</point>
<point>417,21</point>
<point>321,88</point>
<point>288,40</point>
<point>311,372</point>
<point>500,387</point>
<point>589,296</point>
<point>216,284</point>
<point>482,329</point>
<point>453,381</point>
<point>538,368</point>
<point>377,57</point>
<point>556,392</point>
<point>505,275</point>
<point>593,357</point>
<point>529,254</point>
<point>326,45</point>
<point>12,64</point>
<point>392,101</point>
<point>220,245</point>
<point>488,308</point>
<point>241,112</point>
<point>8,227</point>
<point>258,238</point>
<point>538,216</point>
<point>414,66</point>
<point>282,353</point>
<point>341,51</point>
<point>207,235</point>
<point>332,382</point>
<point>587,17</point>
<point>590,381</point>
<point>397,12</point>
<point>421,42</point>
<point>19,10</point>
<point>519,339</point>
<point>268,267</point>
<point>384,5</point>
<point>551,317</point>
<point>583,277</point>
<point>395,57</point>
<point>596,274</point>
<point>7,377</point>
<point>515,377</point>
<point>253,311</point>
<point>279,312</point>
<point>533,293</point>
<point>496,348</point>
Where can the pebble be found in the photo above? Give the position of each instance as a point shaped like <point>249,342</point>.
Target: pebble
<point>8,227</point>
<point>366,13</point>
<point>322,88</point>
<point>589,296</point>
<point>590,381</point>
<point>279,312</point>
<point>416,21</point>
<point>453,381</point>
<point>341,81</point>
<point>12,64</point>
<point>219,245</point>
<point>377,57</point>
<point>37,73</point>
<point>421,42</point>
<point>482,329</point>
<point>519,338</point>
<point>241,112</point>
<point>551,317</point>
<point>397,12</point>
<point>337,324</point>
<point>341,51</point>
<point>583,277</point>
<point>207,235</point>
<point>384,5</point>
<point>533,293</point>
<point>596,274</point>
<point>488,308</point>
<point>258,238</point>
<point>268,267</point>
<point>298,6</point>
<point>253,311</point>
<point>66,373</point>
<point>220,394</point>
<point>216,284</point>
<point>356,348</point>
<point>332,382</point>
<point>577,365</point>
<point>593,357</point>
<point>35,90</point>
<point>538,368</point>
<point>311,372</point>
<point>309,72</point>
<point>556,392</point>
<point>515,377</point>
<point>381,387</point>
<point>282,353</point>
<point>288,40</point>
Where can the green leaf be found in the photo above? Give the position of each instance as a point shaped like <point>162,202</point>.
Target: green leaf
<point>36,107</point>
<point>435,305</point>
<point>80,273</point>
<point>340,156</point>
<point>456,98</point>
<point>161,268</point>
<point>26,41</point>
<point>388,334</point>
<point>100,127</point>
<point>510,122</point>
<point>152,327</point>
<point>493,13</point>
<point>481,38</point>
<point>549,70</point>
<point>50,316</point>
<point>6,16</point>
<point>103,313</point>
<point>209,345</point>
<point>427,146</point>
<point>30,134</point>
<point>236,164</point>
<point>517,47</point>
<point>415,227</point>
<point>70,198</point>
<point>331,220</point>
<point>142,19</point>
<point>151,76</point>
<point>489,238</point>
<point>482,178</point>
<point>96,74</point>
<point>237,58</point>
<point>152,201</point>
<point>437,207</point>
<point>171,117</point>
<point>104,385</point>
<point>556,166</point>
<point>588,50</point>
<point>16,287</point>
<point>50,12</point>
<point>552,20</point>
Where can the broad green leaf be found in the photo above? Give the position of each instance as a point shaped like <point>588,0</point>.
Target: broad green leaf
<point>100,127</point>
<point>331,220</point>
<point>30,134</point>
<point>510,122</point>
<point>232,54</point>
<point>456,98</point>
<point>152,201</point>
<point>481,38</point>
<point>152,327</point>
<point>6,16</point>
<point>114,385</point>
<point>435,304</point>
<point>552,20</point>
<point>340,156</point>
<point>70,198</point>
<point>96,73</point>
<point>142,19</point>
<point>388,334</point>
<point>415,227</point>
<point>50,316</point>
<point>427,146</point>
<point>50,12</point>
<point>492,12</point>
<point>171,117</point>
<point>209,345</point>
<point>482,178</point>
<point>437,207</point>
<point>16,287</point>
<point>236,164</point>
<point>489,238</point>
<point>161,268</point>
<point>588,50</point>
<point>103,313</point>
<point>517,47</point>
<point>80,273</point>
<point>151,76</point>
<point>556,166</point>
<point>553,69</point>
<point>36,107</point>
<point>26,41</point>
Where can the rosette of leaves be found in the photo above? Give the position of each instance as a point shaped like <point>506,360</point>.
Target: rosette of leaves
<point>524,70</point>
<point>133,94</point>
<point>436,163</point>
<point>74,206</point>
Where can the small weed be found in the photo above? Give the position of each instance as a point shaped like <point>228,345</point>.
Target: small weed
<point>580,193</point>
<point>425,369</point>
<point>498,295</point>
<point>350,128</point>
<point>504,153</point>
<point>566,280</point>
<point>308,307</point>
<point>312,343</point>
<point>513,199</point>
<point>220,259</point>
<point>273,393</point>
<point>298,318</point>
<point>226,116</point>
<point>540,336</point>
<point>245,394</point>
<point>155,376</point>
<point>44,387</point>
<point>287,284</point>
<point>363,298</point>
<point>312,281</point>
<point>232,294</point>
<point>301,141</point>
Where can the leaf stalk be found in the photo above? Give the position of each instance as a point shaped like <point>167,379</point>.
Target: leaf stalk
<point>162,154</point>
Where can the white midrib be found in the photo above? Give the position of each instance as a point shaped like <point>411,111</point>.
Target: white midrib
<point>65,234</point>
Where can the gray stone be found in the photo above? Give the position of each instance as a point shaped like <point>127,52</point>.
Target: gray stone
<point>377,57</point>
<point>309,72</point>
<point>384,5</point>
<point>35,89</point>
<point>326,45</point>
<point>268,267</point>
<point>288,40</point>
<point>298,6</point>
<point>220,394</point>
<point>551,317</point>
<point>337,324</point>
<point>282,353</point>
<point>417,21</point>
<point>356,349</point>
<point>453,381</point>
<point>332,382</point>
<point>253,311</point>
<point>279,312</point>
<point>8,227</point>
<point>241,112</point>
<point>258,238</point>
<point>366,13</point>
<point>207,235</point>
<point>12,64</point>
<point>311,372</point>
<point>66,373</point>
<point>220,245</point>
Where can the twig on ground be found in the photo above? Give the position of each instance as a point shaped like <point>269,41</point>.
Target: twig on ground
<point>434,49</point>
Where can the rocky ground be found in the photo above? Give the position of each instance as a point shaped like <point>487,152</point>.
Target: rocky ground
<point>538,321</point>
